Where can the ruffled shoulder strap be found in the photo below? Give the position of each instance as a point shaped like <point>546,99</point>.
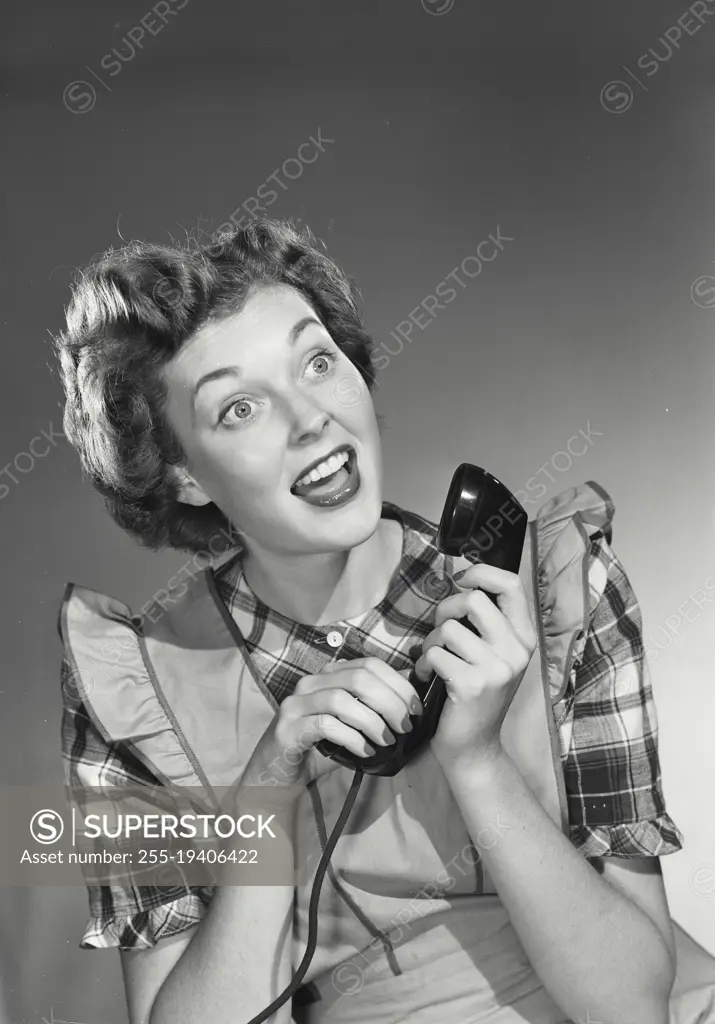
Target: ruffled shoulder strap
<point>561,535</point>
<point>104,645</point>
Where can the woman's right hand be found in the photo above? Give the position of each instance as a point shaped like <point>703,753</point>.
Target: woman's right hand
<point>347,702</point>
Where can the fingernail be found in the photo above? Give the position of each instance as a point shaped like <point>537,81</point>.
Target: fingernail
<point>458,575</point>
<point>371,751</point>
<point>388,736</point>
<point>415,706</point>
<point>406,724</point>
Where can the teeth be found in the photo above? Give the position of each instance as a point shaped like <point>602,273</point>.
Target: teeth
<point>326,468</point>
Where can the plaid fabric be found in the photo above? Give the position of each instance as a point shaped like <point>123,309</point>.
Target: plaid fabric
<point>606,721</point>
<point>608,728</point>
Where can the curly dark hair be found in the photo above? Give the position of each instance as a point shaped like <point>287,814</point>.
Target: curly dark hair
<point>131,311</point>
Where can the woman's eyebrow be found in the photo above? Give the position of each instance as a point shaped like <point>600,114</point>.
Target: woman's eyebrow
<point>297,329</point>
<point>235,371</point>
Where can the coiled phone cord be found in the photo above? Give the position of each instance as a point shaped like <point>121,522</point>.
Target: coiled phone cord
<point>313,905</point>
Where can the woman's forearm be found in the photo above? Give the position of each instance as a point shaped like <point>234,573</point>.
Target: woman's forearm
<point>597,954</point>
<point>238,961</point>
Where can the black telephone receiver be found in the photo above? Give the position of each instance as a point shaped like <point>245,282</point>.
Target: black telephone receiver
<point>483,522</point>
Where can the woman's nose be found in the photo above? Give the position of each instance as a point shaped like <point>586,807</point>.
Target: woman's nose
<point>308,421</point>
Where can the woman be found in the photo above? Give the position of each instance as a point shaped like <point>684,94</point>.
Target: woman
<point>203,388</point>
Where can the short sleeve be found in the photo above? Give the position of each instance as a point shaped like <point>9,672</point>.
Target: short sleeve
<point>608,728</point>
<point>131,917</point>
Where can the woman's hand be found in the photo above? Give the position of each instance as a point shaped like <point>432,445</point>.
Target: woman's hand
<point>482,674</point>
<point>340,703</point>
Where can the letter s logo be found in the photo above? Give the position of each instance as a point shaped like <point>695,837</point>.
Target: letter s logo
<point>46,826</point>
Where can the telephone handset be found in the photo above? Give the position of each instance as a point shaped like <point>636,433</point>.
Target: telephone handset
<point>483,522</point>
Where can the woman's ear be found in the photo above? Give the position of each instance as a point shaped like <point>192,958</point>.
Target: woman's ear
<point>188,489</point>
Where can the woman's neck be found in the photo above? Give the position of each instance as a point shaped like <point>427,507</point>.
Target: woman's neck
<point>320,589</point>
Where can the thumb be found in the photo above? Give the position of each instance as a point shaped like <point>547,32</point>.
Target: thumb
<point>423,672</point>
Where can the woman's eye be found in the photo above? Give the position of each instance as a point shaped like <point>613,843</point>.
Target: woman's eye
<point>322,362</point>
<point>242,411</point>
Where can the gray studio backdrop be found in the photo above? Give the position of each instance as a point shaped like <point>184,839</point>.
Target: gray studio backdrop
<point>580,136</point>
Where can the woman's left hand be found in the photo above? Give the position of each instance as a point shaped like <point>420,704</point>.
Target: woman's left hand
<point>481,673</point>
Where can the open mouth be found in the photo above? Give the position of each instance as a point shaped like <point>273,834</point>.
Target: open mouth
<point>331,482</point>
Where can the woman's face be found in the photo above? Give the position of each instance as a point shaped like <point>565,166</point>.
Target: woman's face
<point>279,397</point>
